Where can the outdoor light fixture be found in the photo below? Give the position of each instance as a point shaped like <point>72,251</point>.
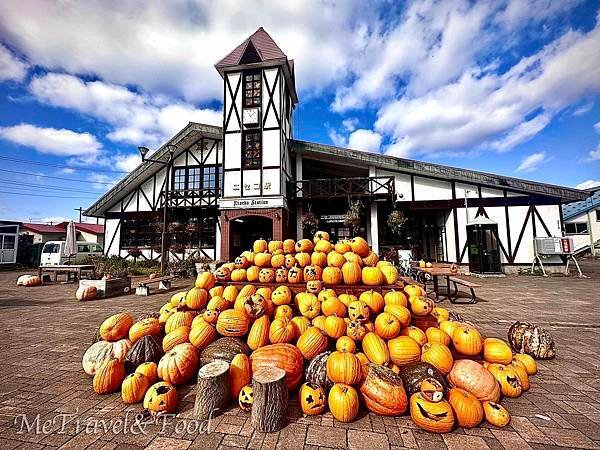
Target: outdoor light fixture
<point>143,151</point>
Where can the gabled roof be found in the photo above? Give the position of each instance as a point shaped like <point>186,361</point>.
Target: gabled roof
<point>262,42</point>
<point>85,227</point>
<point>42,228</point>
<point>574,209</point>
<point>324,152</point>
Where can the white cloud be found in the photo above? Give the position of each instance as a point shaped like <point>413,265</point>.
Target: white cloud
<point>136,118</point>
<point>68,170</point>
<point>127,162</point>
<point>350,124</point>
<point>366,140</point>
<point>588,184</point>
<point>583,109</point>
<point>532,162</point>
<point>11,68</point>
<point>51,140</point>
<point>522,133</point>
<point>100,181</point>
<point>594,155</point>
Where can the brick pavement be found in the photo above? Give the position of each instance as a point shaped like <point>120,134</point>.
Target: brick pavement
<point>44,332</point>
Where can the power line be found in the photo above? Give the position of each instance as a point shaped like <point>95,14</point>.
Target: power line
<point>61,166</point>
<point>40,195</point>
<point>56,178</point>
<point>50,187</point>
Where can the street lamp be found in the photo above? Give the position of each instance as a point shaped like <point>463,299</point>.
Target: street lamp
<point>163,244</point>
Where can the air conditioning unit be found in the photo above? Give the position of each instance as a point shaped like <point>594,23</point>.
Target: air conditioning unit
<point>553,245</point>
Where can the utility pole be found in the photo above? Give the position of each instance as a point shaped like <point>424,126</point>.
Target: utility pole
<point>80,209</point>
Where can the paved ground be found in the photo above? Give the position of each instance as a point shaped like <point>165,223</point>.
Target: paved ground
<point>44,332</point>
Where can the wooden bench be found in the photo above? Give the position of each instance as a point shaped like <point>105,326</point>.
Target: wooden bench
<point>143,287</point>
<point>468,284</point>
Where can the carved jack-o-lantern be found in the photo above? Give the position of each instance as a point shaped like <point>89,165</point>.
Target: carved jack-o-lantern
<point>436,417</point>
<point>266,275</point>
<point>358,310</point>
<point>356,330</point>
<point>223,274</point>
<point>246,398</point>
<point>312,399</point>
<point>281,275</point>
<point>312,273</point>
<point>281,296</point>
<point>290,261</point>
<point>432,389</point>
<point>241,262</point>
<point>295,275</point>
<point>314,286</point>
<point>256,306</point>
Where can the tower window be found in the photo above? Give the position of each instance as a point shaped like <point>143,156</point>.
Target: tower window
<point>252,89</point>
<point>252,150</point>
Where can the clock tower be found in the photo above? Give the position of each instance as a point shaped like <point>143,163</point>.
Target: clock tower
<point>259,98</point>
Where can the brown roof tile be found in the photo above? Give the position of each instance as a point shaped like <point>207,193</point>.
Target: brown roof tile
<point>263,43</point>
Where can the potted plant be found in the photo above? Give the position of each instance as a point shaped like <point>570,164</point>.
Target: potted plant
<point>396,221</point>
<point>310,222</point>
<point>353,218</point>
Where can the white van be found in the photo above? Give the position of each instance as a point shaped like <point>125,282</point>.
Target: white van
<point>53,253</point>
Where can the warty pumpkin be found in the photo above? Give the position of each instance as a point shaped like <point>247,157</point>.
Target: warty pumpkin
<point>468,410</point>
<point>316,372</point>
<point>400,312</point>
<point>149,369</point>
<point>232,322</point>
<point>312,399</point>
<point>259,333</point>
<point>435,417</point>
<point>179,365</point>
<point>343,402</point>
<point>404,350</point>
<point>202,333</point>
<point>496,414</point>
<point>467,340</point>
<point>109,376</point>
<point>240,374</point>
<point>344,368</point>
<point>474,378</point>
<point>177,336</point>
<point>284,356</point>
<point>145,327</point>
<point>351,273</point>
<point>161,398</point>
<point>134,388</point>
<point>281,331</point>
<point>224,349</point>
<point>439,356</point>
<point>312,342</point>
<point>497,351</point>
<point>116,327</point>
<point>383,391</point>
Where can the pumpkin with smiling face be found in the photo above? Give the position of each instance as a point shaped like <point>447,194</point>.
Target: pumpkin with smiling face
<point>281,275</point>
<point>246,398</point>
<point>233,322</point>
<point>507,376</point>
<point>312,399</point>
<point>256,306</point>
<point>241,262</point>
<point>359,311</point>
<point>223,274</point>
<point>356,331</point>
<point>281,296</point>
<point>435,417</point>
<point>290,261</point>
<point>266,275</point>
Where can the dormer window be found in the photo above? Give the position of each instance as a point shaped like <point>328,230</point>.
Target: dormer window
<point>252,89</point>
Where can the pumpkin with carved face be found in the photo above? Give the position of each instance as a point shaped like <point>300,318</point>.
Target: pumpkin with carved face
<point>281,296</point>
<point>435,417</point>
<point>241,262</point>
<point>266,275</point>
<point>312,273</point>
<point>246,398</point>
<point>358,310</point>
<point>312,399</point>
<point>295,275</point>
<point>161,398</point>
<point>314,286</point>
<point>356,330</point>
<point>223,274</point>
<point>256,306</point>
<point>290,261</point>
<point>281,275</point>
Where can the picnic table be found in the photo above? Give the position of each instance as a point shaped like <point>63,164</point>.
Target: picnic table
<point>73,271</point>
<point>446,272</point>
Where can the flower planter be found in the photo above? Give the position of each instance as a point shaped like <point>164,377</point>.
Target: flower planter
<point>109,288</point>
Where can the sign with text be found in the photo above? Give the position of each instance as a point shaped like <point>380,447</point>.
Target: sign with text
<point>243,203</point>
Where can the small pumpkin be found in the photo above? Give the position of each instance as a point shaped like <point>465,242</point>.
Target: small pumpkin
<point>311,273</point>
<point>238,275</point>
<point>332,306</point>
<point>161,398</point>
<point>284,312</point>
<point>85,293</point>
<point>256,306</point>
<point>343,402</point>
<point>196,298</point>
<point>421,306</point>
<point>205,280</point>
<point>507,376</point>
<point>308,305</point>
<point>528,362</point>
<point>109,376</point>
<point>345,344</point>
<point>175,337</point>
<point>304,245</point>
<point>400,312</point>
<point>266,275</point>
<point>223,273</point>
<point>312,399</point>
<point>281,275</point>
<point>496,414</point>
<point>241,262</point>
<point>259,245</point>
<point>320,236</point>
<point>334,327</point>
<point>342,246</point>
<point>314,286</point>
<point>356,330</point>
<point>246,398</point>
<point>468,410</point>
<point>496,351</point>
<point>134,388</point>
<point>394,297</point>
<point>295,275</point>
<point>281,331</point>
<point>435,417</point>
<point>145,349</point>
<point>149,369</point>
<point>359,311</point>
<point>360,246</point>
<point>372,276</point>
<point>259,333</point>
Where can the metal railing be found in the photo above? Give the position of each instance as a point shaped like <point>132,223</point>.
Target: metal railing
<point>342,187</point>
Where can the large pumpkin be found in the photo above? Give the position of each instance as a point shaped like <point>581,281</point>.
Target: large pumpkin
<point>223,349</point>
<point>175,337</point>
<point>351,273</point>
<point>202,333</point>
<point>531,340</point>
<point>284,356</point>
<point>467,340</point>
<point>343,402</point>
<point>179,365</point>
<point>116,327</point>
<point>134,388</point>
<point>404,350</point>
<point>102,351</point>
<point>383,391</point>
<point>467,408</point>
<point>360,247</point>
<point>233,323</point>
<point>435,417</point>
<point>476,379</point>
<point>145,327</point>
<point>496,351</point>
<point>240,374</point>
<point>109,376</point>
<point>316,372</point>
<point>372,276</point>
<point>312,342</point>
<point>439,356</point>
<point>344,368</point>
<point>161,398</point>
<point>145,349</point>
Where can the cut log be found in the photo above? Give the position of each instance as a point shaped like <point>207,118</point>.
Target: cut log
<point>269,408</point>
<point>212,390</point>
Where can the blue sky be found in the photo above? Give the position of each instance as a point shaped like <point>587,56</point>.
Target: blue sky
<point>504,86</point>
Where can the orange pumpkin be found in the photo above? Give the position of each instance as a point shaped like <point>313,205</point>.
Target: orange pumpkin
<point>319,322</point>
<point>308,305</point>
<point>416,333</point>
<point>284,356</point>
<point>312,342</point>
<point>175,337</point>
<point>205,280</point>
<point>266,275</point>
<point>301,324</point>
<point>371,259</point>
<point>281,296</point>
<point>387,325</point>
<point>116,327</point>
<point>241,262</point>
<point>332,275</point>
<point>233,322</point>
<point>404,350</point>
<point>281,275</point>
<point>240,374</point>
<point>109,376</point>
<point>376,349</point>
<point>134,388</point>
<point>239,275</point>
<point>372,276</point>
<point>161,398</point>
<point>435,417</point>
<point>295,275</point>
<point>497,351</point>
<point>179,319</point>
<point>360,247</point>
<point>421,306</point>
<point>262,259</point>
<point>467,340</point>
<point>439,356</point>
<point>394,297</point>
<point>528,362</point>
<point>202,333</point>
<point>335,259</point>
<point>273,246</point>
<point>507,376</point>
<point>290,261</point>
<point>496,414</point>
<point>474,378</point>
<point>390,274</point>
<point>344,368</point>
<point>260,245</point>
<point>343,402</point>
<point>346,299</point>
<point>304,245</point>
<point>356,330</point>
<point>342,247</point>
<point>374,300</point>
<point>179,365</point>
<point>359,311</point>
<point>351,273</point>
<point>196,298</point>
<point>400,312</point>
<point>345,344</point>
<point>436,335</point>
<point>289,246</point>
<point>145,327</point>
<point>312,399</point>
<point>314,286</point>
<point>383,391</point>
<point>303,259</point>
<point>283,311</point>
<point>259,333</point>
<point>149,370</point>
<point>332,306</point>
<point>282,330</point>
<point>334,327</point>
<point>252,273</point>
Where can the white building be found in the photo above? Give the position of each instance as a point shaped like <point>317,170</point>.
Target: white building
<point>582,223</point>
<point>250,178</point>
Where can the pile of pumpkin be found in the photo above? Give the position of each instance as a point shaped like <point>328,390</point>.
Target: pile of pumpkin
<point>337,350</point>
<point>29,280</point>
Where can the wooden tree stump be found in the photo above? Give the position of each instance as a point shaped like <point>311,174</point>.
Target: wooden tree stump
<point>212,390</point>
<point>270,399</point>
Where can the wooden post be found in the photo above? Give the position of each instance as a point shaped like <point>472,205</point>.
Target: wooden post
<point>212,390</point>
<point>270,399</point>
